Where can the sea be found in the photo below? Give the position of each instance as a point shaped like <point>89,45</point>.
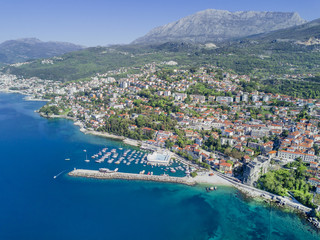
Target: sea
<point>35,205</point>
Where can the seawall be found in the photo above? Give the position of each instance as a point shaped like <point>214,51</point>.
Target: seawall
<point>130,176</point>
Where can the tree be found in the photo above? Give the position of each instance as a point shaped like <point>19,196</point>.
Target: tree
<point>140,121</point>
<point>193,174</point>
<point>169,144</point>
<point>285,133</point>
<point>236,116</point>
<point>227,151</point>
<point>229,161</point>
<point>316,149</point>
<point>236,154</point>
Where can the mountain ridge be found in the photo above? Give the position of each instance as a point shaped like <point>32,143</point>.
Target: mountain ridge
<point>24,49</point>
<point>301,32</point>
<point>219,25</point>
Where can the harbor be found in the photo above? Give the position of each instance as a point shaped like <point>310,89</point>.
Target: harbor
<point>157,162</point>
<point>130,176</point>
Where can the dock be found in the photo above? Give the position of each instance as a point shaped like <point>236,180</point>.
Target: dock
<point>130,176</point>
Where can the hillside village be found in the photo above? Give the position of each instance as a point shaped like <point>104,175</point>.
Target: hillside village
<point>206,115</point>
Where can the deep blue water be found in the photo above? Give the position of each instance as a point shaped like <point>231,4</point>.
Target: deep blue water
<point>33,205</point>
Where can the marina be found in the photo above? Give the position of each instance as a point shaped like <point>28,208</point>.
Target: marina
<point>151,161</point>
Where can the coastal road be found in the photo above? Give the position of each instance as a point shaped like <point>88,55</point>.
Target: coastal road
<point>260,193</point>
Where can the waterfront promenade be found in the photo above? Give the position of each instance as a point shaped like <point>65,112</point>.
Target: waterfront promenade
<point>255,192</point>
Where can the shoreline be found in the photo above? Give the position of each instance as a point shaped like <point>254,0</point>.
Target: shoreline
<point>55,116</point>
<point>101,134</point>
<point>28,97</point>
<point>125,140</point>
<point>132,142</point>
<point>128,141</point>
<point>202,179</point>
<point>248,191</point>
<point>282,203</point>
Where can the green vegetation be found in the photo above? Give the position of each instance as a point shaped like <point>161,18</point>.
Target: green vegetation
<point>300,89</point>
<point>49,110</point>
<point>154,100</point>
<point>215,145</point>
<point>300,32</point>
<point>279,103</point>
<point>303,115</point>
<point>204,89</point>
<point>193,174</point>
<point>291,180</point>
<point>261,59</point>
<point>317,200</point>
<point>120,125</point>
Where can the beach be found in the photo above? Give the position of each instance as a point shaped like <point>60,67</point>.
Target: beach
<point>204,178</point>
<point>102,134</point>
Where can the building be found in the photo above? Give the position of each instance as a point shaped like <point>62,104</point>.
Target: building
<point>255,98</point>
<point>124,84</point>
<point>291,156</point>
<point>224,99</point>
<point>225,167</point>
<point>198,98</point>
<point>180,96</point>
<point>254,169</point>
<point>314,165</point>
<point>159,157</point>
<point>249,151</point>
<point>314,181</point>
<point>245,97</point>
<point>167,93</point>
<point>265,98</point>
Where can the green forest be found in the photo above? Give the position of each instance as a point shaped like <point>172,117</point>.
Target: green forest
<point>298,89</point>
<point>243,58</point>
<point>292,180</point>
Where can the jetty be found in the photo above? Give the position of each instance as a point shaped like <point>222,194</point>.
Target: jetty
<point>130,176</point>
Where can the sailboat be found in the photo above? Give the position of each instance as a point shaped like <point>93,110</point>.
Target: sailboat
<point>86,160</point>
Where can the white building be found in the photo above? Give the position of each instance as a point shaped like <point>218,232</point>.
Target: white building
<point>291,156</point>
<point>162,158</point>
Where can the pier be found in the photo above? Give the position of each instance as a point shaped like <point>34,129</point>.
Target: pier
<point>130,176</point>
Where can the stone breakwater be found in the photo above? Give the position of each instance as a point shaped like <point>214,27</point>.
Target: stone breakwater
<point>130,176</point>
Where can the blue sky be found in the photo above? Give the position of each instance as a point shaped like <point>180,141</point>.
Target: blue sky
<point>102,22</point>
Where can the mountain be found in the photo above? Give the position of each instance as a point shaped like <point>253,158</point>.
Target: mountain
<point>219,25</point>
<point>261,58</point>
<point>304,32</point>
<point>21,50</point>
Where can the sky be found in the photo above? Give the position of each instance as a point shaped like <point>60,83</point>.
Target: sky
<point>103,22</point>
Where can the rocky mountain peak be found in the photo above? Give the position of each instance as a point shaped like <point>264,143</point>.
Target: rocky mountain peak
<point>218,25</point>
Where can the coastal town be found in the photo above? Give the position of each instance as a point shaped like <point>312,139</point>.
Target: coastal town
<point>211,118</point>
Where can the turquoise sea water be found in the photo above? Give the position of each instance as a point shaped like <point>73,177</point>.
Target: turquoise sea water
<point>34,205</point>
